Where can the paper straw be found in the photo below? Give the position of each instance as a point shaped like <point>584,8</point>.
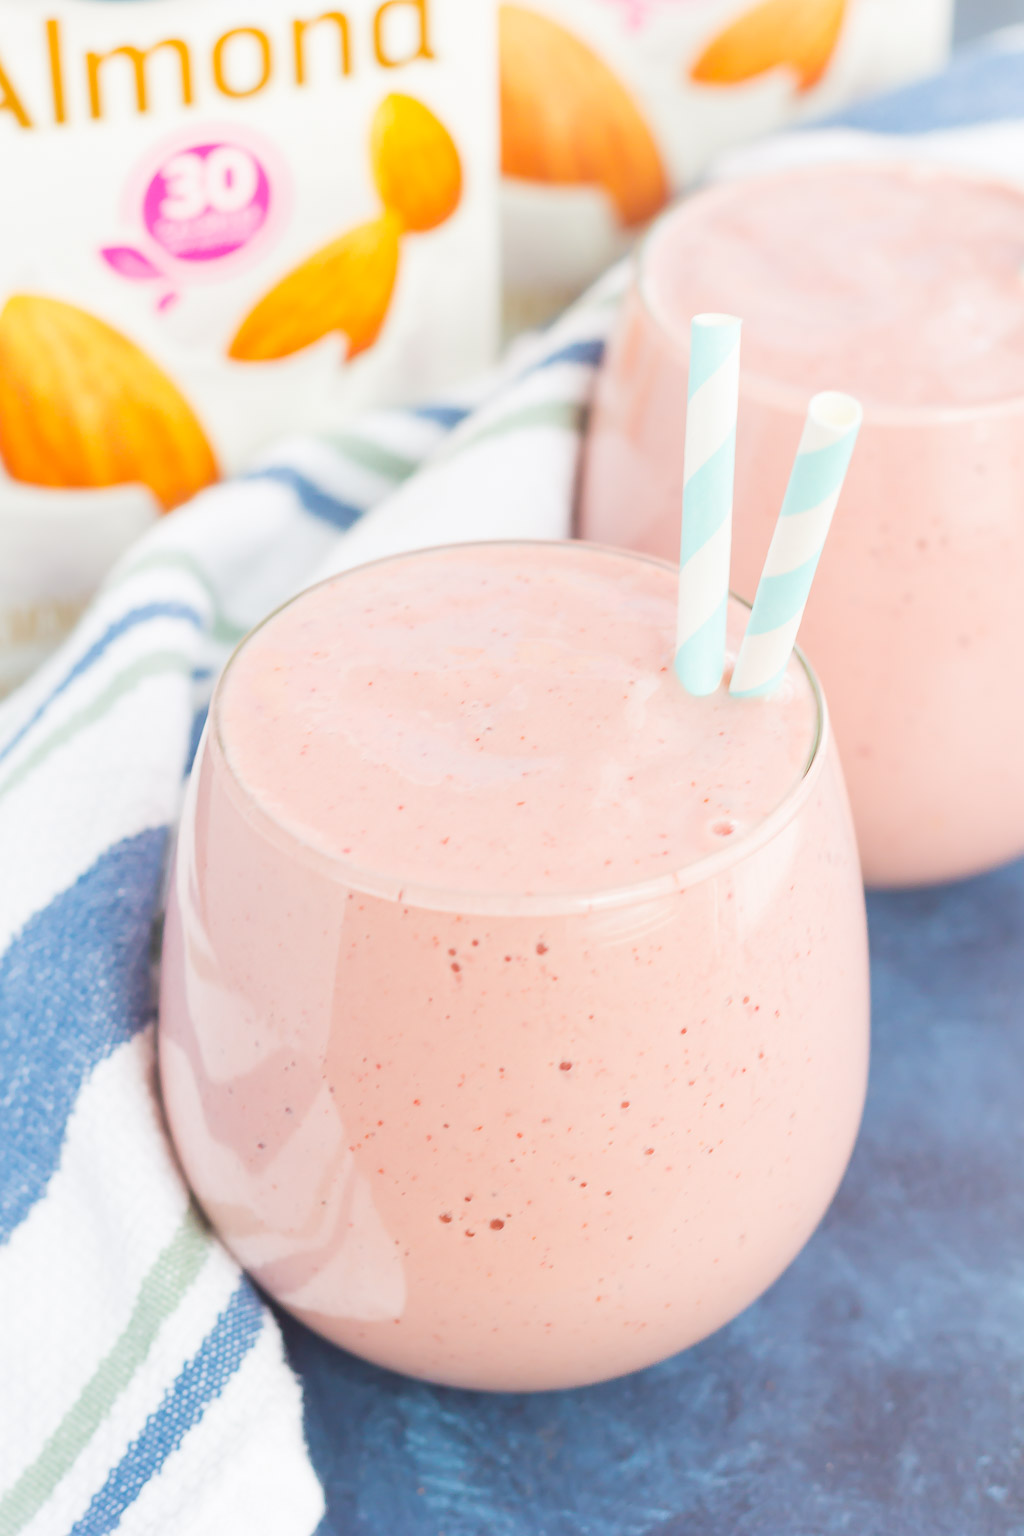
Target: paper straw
<point>707,501</point>
<point>822,460</point>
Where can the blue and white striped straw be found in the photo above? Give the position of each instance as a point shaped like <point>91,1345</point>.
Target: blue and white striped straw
<point>819,470</point>
<point>707,502</point>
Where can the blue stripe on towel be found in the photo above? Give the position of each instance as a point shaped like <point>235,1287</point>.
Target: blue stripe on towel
<point>311,497</point>
<point>199,1384</point>
<point>74,985</point>
<point>128,621</point>
<point>589,353</point>
<point>445,415</point>
<point>984,86</point>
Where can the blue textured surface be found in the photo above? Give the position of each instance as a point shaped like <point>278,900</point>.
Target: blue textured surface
<point>876,1390</point>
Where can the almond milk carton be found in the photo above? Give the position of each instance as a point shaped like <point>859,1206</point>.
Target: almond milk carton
<point>224,220</point>
<point>609,107</point>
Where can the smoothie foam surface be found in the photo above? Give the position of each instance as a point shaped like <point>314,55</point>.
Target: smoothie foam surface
<point>504,719</point>
<point>902,284</point>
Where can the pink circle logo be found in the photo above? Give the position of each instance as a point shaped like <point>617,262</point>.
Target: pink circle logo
<point>207,202</point>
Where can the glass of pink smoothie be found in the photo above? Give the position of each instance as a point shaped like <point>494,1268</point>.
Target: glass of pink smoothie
<point>904,285</point>
<point>514,1017</point>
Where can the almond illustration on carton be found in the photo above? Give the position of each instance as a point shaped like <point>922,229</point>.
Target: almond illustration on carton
<point>82,407</point>
<point>797,34</point>
<point>416,165</point>
<point>345,286</point>
<point>567,119</point>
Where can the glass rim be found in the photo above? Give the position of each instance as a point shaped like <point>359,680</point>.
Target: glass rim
<point>513,904</point>
<point>792,398</point>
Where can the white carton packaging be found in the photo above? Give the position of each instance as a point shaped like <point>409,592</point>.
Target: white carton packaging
<point>224,220</point>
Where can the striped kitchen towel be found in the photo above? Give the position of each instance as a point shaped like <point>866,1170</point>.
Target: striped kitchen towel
<point>143,1386</point>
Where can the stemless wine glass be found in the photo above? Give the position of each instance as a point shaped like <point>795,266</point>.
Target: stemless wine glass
<point>514,1140</point>
<point>915,619</point>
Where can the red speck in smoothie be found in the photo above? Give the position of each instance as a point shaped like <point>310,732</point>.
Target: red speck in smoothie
<point>496,1225</point>
<point>565,1066</point>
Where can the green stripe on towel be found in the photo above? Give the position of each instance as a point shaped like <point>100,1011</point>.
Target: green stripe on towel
<point>171,1275</point>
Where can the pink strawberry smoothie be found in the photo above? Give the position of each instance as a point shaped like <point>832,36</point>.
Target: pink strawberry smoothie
<point>514,1006</point>
<point>905,286</point>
